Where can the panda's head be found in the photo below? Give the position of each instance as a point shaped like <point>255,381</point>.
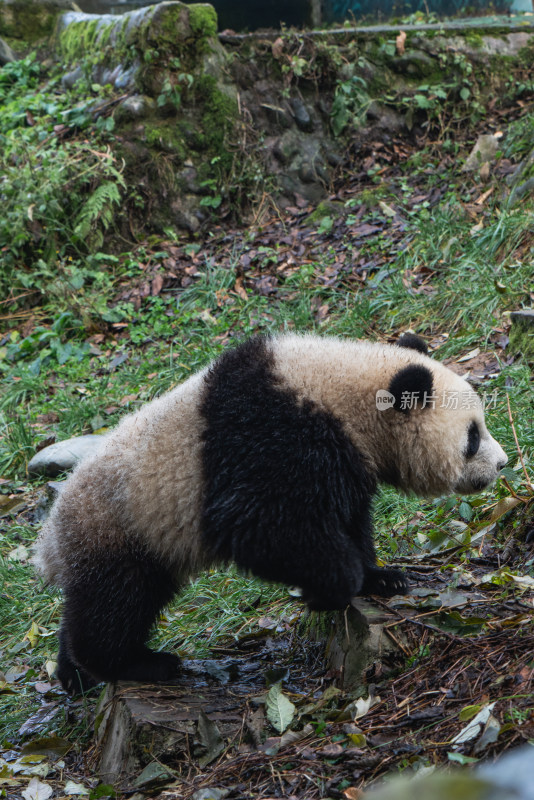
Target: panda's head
<point>441,442</point>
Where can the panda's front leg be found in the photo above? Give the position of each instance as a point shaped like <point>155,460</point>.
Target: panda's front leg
<point>383,581</point>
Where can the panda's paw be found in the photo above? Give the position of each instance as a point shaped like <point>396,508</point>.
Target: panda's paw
<point>73,679</point>
<point>152,667</point>
<point>384,582</point>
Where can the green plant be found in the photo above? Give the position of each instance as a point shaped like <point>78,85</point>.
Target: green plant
<point>45,345</point>
<point>173,84</point>
<point>16,445</point>
<point>58,197</point>
<point>351,103</point>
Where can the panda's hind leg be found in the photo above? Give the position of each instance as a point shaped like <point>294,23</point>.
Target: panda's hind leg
<point>111,602</point>
<point>73,678</point>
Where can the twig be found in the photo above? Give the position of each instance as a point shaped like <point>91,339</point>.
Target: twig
<point>433,628</point>
<point>18,296</point>
<point>395,641</point>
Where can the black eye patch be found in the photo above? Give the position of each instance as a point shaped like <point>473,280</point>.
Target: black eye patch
<point>473,440</point>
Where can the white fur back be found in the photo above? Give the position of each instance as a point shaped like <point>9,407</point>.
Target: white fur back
<point>144,481</point>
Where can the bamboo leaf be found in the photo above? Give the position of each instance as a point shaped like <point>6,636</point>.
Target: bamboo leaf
<point>280,710</point>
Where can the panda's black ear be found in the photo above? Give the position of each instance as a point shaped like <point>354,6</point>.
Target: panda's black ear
<point>411,388</point>
<point>412,341</point>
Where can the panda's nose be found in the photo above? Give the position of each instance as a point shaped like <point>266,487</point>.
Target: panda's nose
<point>501,465</point>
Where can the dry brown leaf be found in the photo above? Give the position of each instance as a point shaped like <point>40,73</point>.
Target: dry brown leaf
<point>277,48</point>
<point>128,398</point>
<point>503,507</point>
<point>399,41</point>
<point>157,285</point>
<point>352,793</point>
<point>483,197</point>
<point>240,289</point>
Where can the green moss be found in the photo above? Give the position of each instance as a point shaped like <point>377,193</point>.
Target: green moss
<point>165,135</point>
<point>474,39</point>
<point>86,37</point>
<point>522,338</point>
<point>327,208</point>
<point>526,54</point>
<point>164,28</point>
<point>203,20</point>
<point>27,20</point>
<point>219,115</point>
<point>371,197</point>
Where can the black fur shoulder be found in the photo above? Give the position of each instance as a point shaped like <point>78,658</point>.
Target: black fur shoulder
<point>287,495</point>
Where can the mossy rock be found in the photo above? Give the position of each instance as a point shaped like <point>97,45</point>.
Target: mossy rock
<point>522,333</point>
<point>30,21</point>
<point>149,34</point>
<point>327,208</point>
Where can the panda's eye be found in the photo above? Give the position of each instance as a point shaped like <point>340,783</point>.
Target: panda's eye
<point>473,440</point>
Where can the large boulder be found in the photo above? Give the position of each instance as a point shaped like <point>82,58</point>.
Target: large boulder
<point>31,20</point>
<point>6,53</point>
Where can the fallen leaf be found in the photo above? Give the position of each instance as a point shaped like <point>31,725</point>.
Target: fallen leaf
<point>503,506</point>
<point>468,356</point>
<point>36,790</point>
<point>20,553</point>
<point>157,285</point>
<point>331,751</point>
<point>400,42</point>
<point>361,706</point>
<point>280,710</point>
<point>32,634</point>
<point>473,729</point>
<point>387,210</point>
<point>277,48</point>
<point>490,734</point>
<point>210,738</point>
<point>207,316</point>
<point>240,289</point>
<point>352,793</point>
<point>75,789</point>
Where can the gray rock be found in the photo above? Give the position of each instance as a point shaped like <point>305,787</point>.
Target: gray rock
<point>69,79</point>
<point>63,456</point>
<point>302,115</point>
<point>6,53</point>
<point>277,115</point>
<point>285,148</point>
<point>523,318</point>
<point>483,152</point>
<point>416,64</point>
<point>522,190</point>
<point>186,213</point>
<point>385,118</point>
<point>137,106</point>
<point>188,177</point>
<point>510,778</point>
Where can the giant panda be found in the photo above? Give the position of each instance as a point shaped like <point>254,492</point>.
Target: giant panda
<point>268,458</point>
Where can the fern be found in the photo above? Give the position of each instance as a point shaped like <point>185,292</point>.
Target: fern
<point>97,211</point>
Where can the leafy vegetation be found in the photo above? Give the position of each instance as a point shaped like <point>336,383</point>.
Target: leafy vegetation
<point>58,192</point>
